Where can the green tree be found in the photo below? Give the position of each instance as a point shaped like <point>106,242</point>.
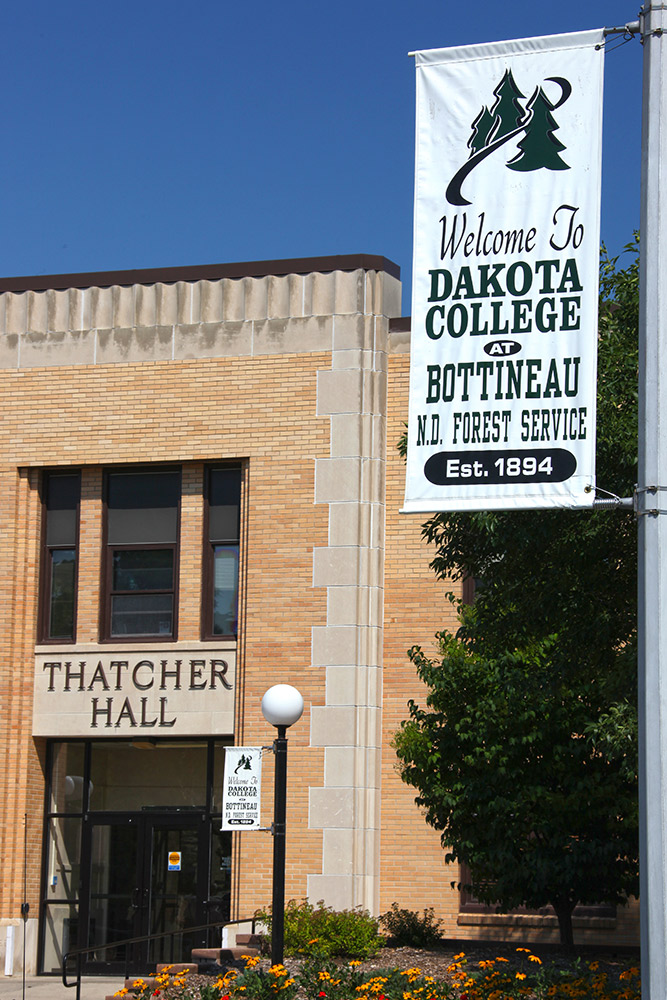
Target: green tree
<point>481,129</point>
<point>539,147</point>
<point>525,756</point>
<point>507,109</point>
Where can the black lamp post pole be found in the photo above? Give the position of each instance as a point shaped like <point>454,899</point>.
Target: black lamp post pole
<point>279,814</point>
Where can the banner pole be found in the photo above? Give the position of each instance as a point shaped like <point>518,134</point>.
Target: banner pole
<point>652,504</point>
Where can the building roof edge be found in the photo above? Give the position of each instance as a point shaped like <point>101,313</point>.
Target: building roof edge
<point>201,272</point>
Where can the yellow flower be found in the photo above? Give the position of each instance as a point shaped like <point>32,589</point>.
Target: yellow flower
<point>534,958</point>
<point>524,949</point>
<point>461,955</point>
<point>355,961</point>
<point>520,975</point>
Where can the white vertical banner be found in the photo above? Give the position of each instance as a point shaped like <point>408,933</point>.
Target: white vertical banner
<point>241,793</point>
<point>505,275</point>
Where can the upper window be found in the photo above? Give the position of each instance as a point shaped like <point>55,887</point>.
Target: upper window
<point>221,555</point>
<point>141,569</point>
<point>61,492</point>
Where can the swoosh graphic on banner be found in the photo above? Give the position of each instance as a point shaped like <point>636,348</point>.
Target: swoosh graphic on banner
<point>453,193</point>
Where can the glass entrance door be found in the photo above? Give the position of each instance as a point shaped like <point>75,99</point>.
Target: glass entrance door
<point>143,874</point>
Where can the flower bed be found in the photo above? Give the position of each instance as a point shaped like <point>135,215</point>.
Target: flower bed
<point>498,978</point>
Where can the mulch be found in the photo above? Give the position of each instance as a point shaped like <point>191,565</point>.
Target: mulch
<point>435,961</point>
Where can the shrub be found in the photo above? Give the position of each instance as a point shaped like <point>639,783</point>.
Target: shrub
<point>406,927</point>
<point>321,930</point>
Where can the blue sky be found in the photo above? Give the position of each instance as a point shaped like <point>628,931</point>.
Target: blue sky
<point>146,134</point>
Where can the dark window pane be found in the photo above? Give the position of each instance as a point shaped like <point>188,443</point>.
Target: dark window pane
<point>136,490</point>
<point>225,589</point>
<point>143,569</point>
<point>224,501</point>
<point>61,527</point>
<point>61,610</point>
<point>62,498</point>
<point>62,491</point>
<point>137,777</point>
<point>225,487</point>
<point>142,614</point>
<point>223,524</point>
<point>144,527</point>
<point>143,507</point>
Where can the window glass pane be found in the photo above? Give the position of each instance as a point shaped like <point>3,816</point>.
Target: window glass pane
<point>149,526</point>
<point>62,491</point>
<point>61,922</point>
<point>142,614</point>
<point>61,611</point>
<point>62,498</point>
<point>61,527</point>
<point>225,487</point>
<point>67,778</point>
<point>223,524</point>
<point>144,775</point>
<point>224,502</point>
<point>225,589</point>
<point>63,874</point>
<point>219,893</point>
<point>142,507</point>
<point>136,490</point>
<point>143,569</point>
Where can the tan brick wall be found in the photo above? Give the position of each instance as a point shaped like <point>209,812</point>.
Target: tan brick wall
<point>261,410</point>
<point>413,870</point>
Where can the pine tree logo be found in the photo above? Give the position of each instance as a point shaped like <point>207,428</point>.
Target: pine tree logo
<point>508,118</point>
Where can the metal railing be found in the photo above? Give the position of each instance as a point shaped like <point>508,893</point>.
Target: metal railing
<point>78,953</point>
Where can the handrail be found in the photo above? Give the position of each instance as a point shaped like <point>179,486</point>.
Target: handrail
<point>78,953</point>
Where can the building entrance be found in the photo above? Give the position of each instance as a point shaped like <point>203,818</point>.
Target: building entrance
<point>143,874</point>
<point>133,847</point>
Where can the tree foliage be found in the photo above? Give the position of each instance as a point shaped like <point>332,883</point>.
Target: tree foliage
<point>524,755</point>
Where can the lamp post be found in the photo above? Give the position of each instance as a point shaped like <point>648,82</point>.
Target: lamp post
<point>282,706</point>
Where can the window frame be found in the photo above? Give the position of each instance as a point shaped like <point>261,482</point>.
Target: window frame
<point>208,555</point>
<point>470,904</point>
<point>107,592</point>
<point>46,560</point>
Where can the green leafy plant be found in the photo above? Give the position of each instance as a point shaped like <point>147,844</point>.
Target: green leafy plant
<point>321,930</point>
<point>409,928</point>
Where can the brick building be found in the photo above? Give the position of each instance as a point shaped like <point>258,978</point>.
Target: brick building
<point>199,498</point>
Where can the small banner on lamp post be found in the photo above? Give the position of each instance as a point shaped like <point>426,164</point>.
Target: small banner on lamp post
<point>505,276</point>
<point>241,795</point>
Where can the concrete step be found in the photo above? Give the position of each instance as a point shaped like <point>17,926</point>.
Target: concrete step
<point>223,956</point>
<point>252,940</point>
